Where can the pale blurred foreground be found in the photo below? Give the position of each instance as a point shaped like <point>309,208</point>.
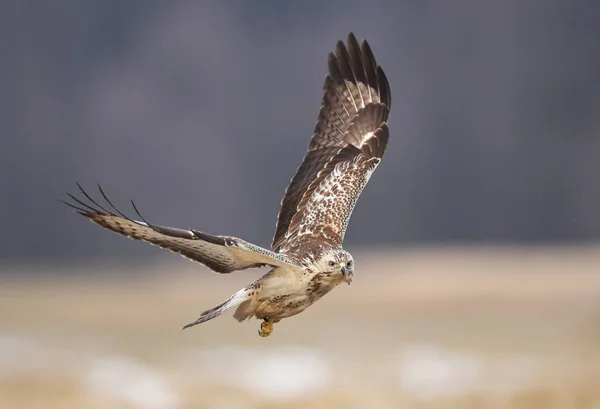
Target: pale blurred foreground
<point>470,328</point>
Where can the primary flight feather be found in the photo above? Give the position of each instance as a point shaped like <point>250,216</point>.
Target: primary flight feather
<point>307,259</point>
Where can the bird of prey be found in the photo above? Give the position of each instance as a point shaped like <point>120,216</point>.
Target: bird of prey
<point>307,259</point>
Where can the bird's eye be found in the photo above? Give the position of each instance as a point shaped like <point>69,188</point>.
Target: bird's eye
<point>349,263</point>
<point>331,263</point>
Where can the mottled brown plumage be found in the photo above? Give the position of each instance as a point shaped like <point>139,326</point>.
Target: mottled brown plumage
<point>306,258</point>
<point>356,102</point>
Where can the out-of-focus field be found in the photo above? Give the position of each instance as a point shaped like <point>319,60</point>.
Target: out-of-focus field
<point>456,328</point>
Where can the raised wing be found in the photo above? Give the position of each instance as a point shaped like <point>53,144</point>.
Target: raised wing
<point>222,254</point>
<point>325,209</point>
<point>350,138</point>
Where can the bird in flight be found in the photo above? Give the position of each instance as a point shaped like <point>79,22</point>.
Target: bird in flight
<point>307,259</point>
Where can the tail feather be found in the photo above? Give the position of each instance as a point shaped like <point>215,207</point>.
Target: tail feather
<point>232,302</point>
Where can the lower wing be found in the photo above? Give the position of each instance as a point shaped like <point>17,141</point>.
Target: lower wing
<point>222,254</point>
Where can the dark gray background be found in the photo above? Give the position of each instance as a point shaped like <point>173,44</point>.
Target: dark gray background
<point>201,112</point>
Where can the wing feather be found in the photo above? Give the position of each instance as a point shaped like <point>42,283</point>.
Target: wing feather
<point>222,254</point>
<point>355,107</point>
<point>329,201</point>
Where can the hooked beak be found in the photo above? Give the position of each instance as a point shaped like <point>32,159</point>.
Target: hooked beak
<point>347,277</point>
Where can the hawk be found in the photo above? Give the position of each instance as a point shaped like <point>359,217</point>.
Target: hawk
<point>307,259</point>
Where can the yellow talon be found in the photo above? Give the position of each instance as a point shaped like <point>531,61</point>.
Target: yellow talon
<point>265,328</point>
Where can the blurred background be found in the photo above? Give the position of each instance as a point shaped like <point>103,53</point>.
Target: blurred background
<point>478,277</point>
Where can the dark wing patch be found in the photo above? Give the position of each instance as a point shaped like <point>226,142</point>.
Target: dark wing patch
<point>356,102</point>
<point>222,254</point>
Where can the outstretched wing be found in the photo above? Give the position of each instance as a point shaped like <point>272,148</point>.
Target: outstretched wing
<point>349,140</point>
<point>222,254</point>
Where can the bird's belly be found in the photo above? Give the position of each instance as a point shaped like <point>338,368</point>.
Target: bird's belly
<point>285,305</point>
<point>282,306</point>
